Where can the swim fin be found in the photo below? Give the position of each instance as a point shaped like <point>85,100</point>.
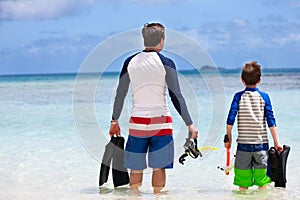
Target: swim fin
<point>105,165</point>
<point>277,165</point>
<point>114,151</point>
<point>119,172</point>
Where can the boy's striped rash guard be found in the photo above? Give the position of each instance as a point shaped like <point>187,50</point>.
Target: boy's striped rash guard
<point>253,109</point>
<point>150,73</point>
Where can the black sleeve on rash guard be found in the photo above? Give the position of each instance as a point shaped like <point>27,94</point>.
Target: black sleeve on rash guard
<point>175,92</point>
<point>122,90</point>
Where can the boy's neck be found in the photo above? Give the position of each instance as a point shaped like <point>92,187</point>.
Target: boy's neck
<point>251,86</point>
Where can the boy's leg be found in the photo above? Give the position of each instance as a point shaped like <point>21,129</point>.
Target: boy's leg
<point>260,178</point>
<point>262,188</point>
<point>136,179</point>
<point>260,169</point>
<point>243,178</point>
<point>158,180</point>
<point>242,189</point>
<point>243,170</point>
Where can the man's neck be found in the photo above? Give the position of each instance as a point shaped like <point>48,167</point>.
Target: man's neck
<point>153,49</point>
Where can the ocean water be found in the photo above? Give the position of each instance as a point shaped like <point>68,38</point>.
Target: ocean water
<point>54,128</point>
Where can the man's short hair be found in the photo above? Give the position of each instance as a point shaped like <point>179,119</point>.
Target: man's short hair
<point>251,73</point>
<point>152,34</point>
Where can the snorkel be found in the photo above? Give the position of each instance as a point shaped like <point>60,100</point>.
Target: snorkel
<point>228,167</point>
<point>190,149</point>
<point>226,139</point>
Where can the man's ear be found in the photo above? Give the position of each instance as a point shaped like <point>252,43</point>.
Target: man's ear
<point>161,42</point>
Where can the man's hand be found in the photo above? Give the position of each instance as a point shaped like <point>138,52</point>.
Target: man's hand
<point>194,131</point>
<point>114,128</point>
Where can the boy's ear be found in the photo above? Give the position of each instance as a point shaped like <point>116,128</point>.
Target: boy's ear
<point>258,82</point>
<point>243,81</point>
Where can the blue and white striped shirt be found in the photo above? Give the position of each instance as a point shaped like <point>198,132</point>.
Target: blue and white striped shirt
<point>253,109</point>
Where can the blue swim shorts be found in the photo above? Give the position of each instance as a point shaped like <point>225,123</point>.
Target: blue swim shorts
<point>160,150</point>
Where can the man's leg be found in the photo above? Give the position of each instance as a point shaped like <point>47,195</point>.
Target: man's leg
<point>136,179</point>
<point>158,180</point>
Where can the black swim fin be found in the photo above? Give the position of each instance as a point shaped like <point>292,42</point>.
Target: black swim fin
<point>105,165</point>
<point>114,151</point>
<point>277,165</point>
<point>119,172</point>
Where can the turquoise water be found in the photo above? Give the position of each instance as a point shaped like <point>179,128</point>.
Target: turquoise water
<point>53,134</point>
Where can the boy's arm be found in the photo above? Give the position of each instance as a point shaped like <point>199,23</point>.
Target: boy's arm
<point>271,122</point>
<point>277,145</point>
<point>231,117</point>
<point>228,133</point>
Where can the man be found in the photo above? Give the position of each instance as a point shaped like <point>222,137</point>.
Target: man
<point>150,126</point>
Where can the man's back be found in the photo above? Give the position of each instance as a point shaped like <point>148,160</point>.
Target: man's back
<point>147,77</point>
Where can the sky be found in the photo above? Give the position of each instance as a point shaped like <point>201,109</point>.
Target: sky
<point>55,36</point>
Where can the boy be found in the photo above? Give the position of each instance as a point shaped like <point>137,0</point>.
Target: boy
<point>253,109</point>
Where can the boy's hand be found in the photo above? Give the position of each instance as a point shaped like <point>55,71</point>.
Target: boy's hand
<point>278,147</point>
<point>227,142</point>
<point>227,145</point>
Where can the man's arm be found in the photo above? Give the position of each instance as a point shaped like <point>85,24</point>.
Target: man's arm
<point>122,90</point>
<point>176,95</point>
<point>177,98</point>
<point>121,93</point>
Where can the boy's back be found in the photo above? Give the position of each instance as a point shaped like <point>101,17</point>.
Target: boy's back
<point>251,105</point>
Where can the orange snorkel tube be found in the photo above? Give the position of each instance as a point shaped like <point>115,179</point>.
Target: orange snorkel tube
<point>228,167</point>
<point>226,139</point>
<point>227,159</point>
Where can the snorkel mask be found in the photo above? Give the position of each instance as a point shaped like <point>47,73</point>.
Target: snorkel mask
<point>190,149</point>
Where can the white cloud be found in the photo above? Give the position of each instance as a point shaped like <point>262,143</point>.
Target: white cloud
<point>234,35</point>
<point>292,38</point>
<point>211,36</point>
<point>239,22</point>
<point>61,44</point>
<point>41,9</point>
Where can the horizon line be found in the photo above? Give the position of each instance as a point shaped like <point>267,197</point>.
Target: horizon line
<point>206,69</point>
